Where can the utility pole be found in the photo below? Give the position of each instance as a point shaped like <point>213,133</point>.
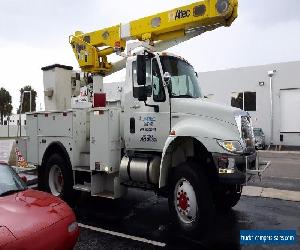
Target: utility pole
<point>271,74</point>
<point>21,106</point>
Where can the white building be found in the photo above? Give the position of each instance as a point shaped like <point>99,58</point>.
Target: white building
<point>10,127</point>
<point>14,119</point>
<point>270,93</point>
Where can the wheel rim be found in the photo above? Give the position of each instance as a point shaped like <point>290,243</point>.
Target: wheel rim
<point>56,180</point>
<point>185,201</point>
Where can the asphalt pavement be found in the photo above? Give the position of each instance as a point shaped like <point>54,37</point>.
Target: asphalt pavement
<point>143,215</point>
<point>284,172</point>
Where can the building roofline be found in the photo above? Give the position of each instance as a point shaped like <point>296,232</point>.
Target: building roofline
<point>56,66</point>
<point>251,66</point>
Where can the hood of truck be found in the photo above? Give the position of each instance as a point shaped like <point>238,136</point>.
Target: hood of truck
<point>202,107</point>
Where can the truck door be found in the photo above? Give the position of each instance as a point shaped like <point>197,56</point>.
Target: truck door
<point>148,126</point>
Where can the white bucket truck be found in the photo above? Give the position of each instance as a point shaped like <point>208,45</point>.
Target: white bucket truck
<point>156,131</point>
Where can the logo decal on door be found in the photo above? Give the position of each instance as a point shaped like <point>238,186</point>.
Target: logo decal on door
<point>149,125</point>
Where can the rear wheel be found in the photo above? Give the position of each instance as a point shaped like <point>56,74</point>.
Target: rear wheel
<point>190,199</point>
<point>58,178</point>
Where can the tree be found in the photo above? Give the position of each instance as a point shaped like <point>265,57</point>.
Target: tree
<point>5,104</point>
<point>26,99</point>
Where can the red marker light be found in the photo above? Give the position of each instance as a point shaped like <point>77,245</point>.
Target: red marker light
<point>173,132</point>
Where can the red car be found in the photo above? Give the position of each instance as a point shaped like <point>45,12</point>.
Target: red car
<point>31,219</point>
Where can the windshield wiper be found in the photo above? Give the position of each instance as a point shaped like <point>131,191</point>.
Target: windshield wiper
<point>11,192</point>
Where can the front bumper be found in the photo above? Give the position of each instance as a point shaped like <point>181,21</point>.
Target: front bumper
<point>232,169</point>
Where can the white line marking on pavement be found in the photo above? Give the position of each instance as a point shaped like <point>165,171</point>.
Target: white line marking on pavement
<point>271,193</point>
<point>101,230</point>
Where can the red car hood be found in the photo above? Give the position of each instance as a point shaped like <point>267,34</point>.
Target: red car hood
<point>30,211</point>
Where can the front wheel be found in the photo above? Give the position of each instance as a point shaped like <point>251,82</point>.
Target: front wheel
<point>190,199</point>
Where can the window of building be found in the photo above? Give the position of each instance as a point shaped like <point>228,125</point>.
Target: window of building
<point>244,100</point>
<point>5,122</point>
<point>250,101</point>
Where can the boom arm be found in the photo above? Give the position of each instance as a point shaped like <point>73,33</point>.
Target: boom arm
<point>162,30</point>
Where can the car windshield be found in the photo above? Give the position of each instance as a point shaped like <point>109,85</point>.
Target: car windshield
<point>10,182</point>
<point>184,83</point>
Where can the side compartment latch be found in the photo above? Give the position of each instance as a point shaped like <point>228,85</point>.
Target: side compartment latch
<point>132,125</point>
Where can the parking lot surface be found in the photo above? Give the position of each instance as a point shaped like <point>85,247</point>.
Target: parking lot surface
<point>284,172</point>
<point>144,215</point>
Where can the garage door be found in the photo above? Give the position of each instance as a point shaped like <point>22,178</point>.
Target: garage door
<point>290,105</point>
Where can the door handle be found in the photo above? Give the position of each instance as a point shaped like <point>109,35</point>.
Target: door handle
<point>136,106</point>
<point>132,125</point>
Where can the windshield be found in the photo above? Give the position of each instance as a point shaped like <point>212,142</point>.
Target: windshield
<point>184,83</point>
<point>9,181</point>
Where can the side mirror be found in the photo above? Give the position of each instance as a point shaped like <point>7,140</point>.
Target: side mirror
<point>141,69</point>
<point>142,92</point>
<point>167,78</point>
<point>142,95</point>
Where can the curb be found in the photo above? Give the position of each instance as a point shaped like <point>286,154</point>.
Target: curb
<point>282,151</point>
<point>276,154</point>
<point>272,193</point>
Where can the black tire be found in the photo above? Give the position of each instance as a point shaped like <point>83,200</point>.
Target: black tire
<point>67,193</point>
<point>205,208</point>
<point>227,199</point>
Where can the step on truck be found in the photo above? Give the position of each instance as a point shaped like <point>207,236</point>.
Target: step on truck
<point>155,131</point>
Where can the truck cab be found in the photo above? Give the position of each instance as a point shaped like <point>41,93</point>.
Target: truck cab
<point>165,109</point>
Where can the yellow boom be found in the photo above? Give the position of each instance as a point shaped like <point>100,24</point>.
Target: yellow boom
<point>91,49</point>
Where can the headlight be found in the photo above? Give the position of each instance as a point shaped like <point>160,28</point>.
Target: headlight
<point>231,146</point>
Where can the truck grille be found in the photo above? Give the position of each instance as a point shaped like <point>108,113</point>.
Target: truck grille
<point>247,134</point>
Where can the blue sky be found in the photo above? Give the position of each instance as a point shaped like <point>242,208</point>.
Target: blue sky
<point>34,33</point>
